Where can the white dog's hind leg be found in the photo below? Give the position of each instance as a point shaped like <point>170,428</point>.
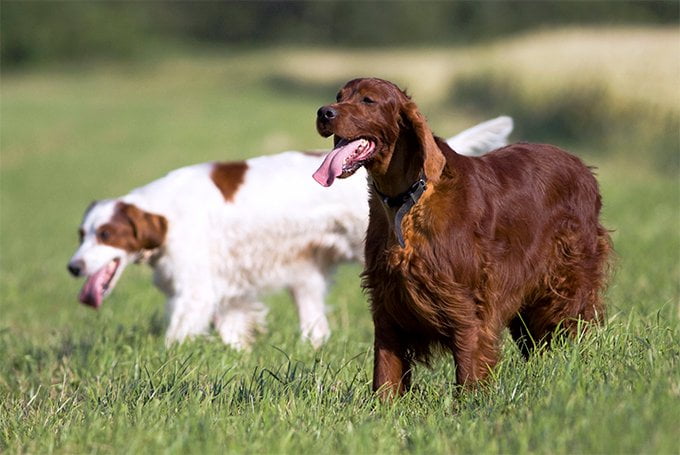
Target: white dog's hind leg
<point>239,321</point>
<point>188,317</point>
<point>309,294</point>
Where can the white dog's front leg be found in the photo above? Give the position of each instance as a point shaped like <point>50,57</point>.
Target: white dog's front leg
<point>239,320</point>
<point>188,317</point>
<point>309,297</point>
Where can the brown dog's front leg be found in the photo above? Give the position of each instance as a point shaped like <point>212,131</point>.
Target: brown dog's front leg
<point>391,367</point>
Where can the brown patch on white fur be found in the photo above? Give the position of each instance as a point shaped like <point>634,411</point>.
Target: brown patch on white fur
<point>325,256</point>
<point>228,177</point>
<point>132,229</point>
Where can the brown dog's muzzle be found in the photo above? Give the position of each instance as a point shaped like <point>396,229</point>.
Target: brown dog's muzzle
<point>324,118</point>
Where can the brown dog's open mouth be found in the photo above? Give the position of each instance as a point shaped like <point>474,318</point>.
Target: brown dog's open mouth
<point>344,160</point>
<point>99,284</point>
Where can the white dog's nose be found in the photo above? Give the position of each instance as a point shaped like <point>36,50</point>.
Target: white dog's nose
<point>76,267</point>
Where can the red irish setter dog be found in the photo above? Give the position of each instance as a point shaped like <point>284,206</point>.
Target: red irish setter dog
<point>458,248</point>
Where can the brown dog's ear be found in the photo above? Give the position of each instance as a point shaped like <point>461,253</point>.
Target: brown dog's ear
<point>149,229</point>
<point>433,159</point>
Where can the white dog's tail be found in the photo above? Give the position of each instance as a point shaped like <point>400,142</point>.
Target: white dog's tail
<point>482,138</point>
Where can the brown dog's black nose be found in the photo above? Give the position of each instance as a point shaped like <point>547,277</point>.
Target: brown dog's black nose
<point>326,113</point>
<point>76,267</point>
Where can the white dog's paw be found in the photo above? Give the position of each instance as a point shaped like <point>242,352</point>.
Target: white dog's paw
<point>172,339</point>
<point>239,342</point>
<point>239,327</point>
<point>318,334</point>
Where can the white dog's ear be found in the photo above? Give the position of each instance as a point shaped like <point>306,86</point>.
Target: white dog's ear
<point>433,159</point>
<point>483,138</point>
<point>89,208</point>
<point>149,229</point>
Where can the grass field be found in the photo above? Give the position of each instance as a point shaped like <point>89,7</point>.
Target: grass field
<point>74,380</point>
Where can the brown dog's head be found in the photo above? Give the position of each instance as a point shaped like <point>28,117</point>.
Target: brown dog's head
<point>371,120</point>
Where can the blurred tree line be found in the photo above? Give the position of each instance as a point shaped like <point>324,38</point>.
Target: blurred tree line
<point>44,31</point>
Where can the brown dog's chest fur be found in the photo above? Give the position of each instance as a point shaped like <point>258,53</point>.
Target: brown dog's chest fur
<point>418,287</point>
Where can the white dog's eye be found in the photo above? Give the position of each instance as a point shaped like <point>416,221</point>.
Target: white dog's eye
<point>81,235</point>
<point>104,235</point>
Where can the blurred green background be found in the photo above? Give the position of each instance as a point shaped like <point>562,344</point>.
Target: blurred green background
<point>97,98</point>
<point>39,31</point>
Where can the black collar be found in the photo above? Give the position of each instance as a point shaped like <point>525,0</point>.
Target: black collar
<point>403,203</point>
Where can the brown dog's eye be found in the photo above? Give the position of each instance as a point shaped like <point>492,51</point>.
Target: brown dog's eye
<point>367,100</point>
<point>338,97</point>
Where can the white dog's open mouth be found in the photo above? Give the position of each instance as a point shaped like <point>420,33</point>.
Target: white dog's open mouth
<point>344,160</point>
<point>100,284</point>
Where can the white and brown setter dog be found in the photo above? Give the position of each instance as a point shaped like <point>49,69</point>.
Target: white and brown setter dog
<point>458,248</point>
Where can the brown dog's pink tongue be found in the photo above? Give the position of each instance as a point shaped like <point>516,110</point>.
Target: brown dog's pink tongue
<point>332,164</point>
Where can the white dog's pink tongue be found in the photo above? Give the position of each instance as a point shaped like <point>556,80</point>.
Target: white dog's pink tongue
<point>93,290</point>
<point>334,161</point>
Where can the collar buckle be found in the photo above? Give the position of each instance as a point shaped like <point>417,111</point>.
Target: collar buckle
<point>403,202</point>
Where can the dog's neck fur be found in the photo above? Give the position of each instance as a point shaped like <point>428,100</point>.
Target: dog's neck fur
<point>414,155</point>
<point>405,167</point>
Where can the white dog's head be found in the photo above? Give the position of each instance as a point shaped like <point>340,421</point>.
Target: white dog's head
<point>112,235</point>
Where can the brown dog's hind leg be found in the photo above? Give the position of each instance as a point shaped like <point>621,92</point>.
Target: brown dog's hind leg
<point>570,294</point>
<point>475,350</point>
